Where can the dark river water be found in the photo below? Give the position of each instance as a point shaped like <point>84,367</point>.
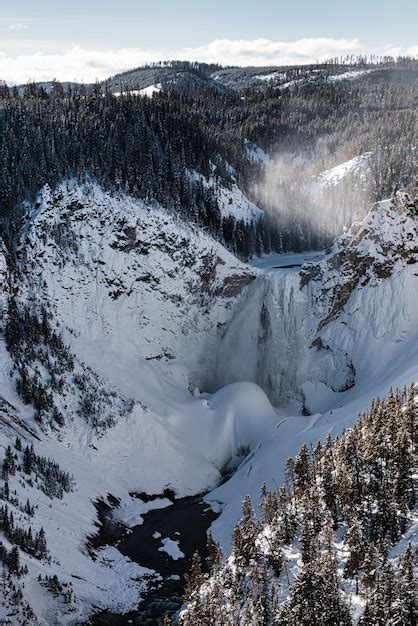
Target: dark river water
<point>186,521</point>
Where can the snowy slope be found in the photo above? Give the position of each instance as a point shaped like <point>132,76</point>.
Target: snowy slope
<point>231,199</point>
<point>284,323</point>
<point>128,272</point>
<point>145,91</point>
<point>142,302</point>
<point>356,167</point>
<point>257,154</point>
<point>350,75</point>
<point>230,589</point>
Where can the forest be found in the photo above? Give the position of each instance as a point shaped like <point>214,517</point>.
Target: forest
<point>344,504</point>
<point>150,147</point>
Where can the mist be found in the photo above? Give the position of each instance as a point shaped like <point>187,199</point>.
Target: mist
<point>316,195</point>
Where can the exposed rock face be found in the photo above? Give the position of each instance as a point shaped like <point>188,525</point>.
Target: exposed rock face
<point>364,294</point>
<point>372,250</point>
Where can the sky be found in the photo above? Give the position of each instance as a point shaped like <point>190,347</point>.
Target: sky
<point>86,40</point>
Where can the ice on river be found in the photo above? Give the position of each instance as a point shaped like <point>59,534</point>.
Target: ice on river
<point>172,548</point>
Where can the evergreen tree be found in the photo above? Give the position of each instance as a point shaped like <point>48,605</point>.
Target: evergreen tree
<point>14,560</point>
<point>194,578</point>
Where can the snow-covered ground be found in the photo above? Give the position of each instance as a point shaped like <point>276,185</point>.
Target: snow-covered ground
<point>271,76</point>
<point>257,154</point>
<point>372,344</point>
<point>137,297</point>
<point>150,90</point>
<point>171,547</point>
<point>357,166</point>
<point>131,513</point>
<point>232,200</point>
<point>350,75</point>
<point>147,92</point>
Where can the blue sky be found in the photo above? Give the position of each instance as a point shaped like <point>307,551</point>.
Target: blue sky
<point>88,39</point>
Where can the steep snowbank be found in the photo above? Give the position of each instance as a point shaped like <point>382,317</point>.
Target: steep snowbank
<point>357,167</point>
<point>129,277</point>
<point>231,199</point>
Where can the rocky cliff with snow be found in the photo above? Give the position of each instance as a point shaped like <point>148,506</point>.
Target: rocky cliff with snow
<point>305,331</point>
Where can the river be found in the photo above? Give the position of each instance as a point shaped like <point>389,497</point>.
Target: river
<point>185,522</point>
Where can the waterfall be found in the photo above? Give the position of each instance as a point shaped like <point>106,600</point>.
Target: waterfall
<point>273,341</point>
<point>267,340</point>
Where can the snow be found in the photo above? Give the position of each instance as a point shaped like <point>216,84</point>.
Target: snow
<point>270,76</point>
<point>111,580</point>
<point>290,83</point>
<point>232,201</point>
<point>257,154</point>
<point>147,92</point>
<point>159,340</point>
<point>357,166</point>
<point>131,513</point>
<point>172,548</point>
<point>349,75</point>
<point>270,341</point>
<point>175,313</point>
<point>150,90</point>
<point>158,314</point>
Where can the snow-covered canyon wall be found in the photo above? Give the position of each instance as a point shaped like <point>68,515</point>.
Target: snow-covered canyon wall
<point>140,297</point>
<point>147,310</point>
<point>140,300</point>
<point>131,287</point>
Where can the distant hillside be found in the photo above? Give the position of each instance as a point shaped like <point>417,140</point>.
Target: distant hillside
<point>182,74</point>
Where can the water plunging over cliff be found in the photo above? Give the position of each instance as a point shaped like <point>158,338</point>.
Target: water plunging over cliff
<point>267,339</point>
<point>273,340</point>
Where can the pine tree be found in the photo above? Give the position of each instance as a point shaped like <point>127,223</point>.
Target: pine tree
<point>9,463</point>
<point>245,533</point>
<point>405,597</point>
<point>14,560</point>
<point>194,578</point>
<point>327,483</point>
<point>41,550</point>
<point>355,544</point>
<point>28,459</point>
<point>214,553</point>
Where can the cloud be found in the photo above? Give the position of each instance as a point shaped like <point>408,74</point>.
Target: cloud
<point>389,50</point>
<point>412,51</point>
<point>18,27</point>
<point>267,52</point>
<point>88,65</point>
<point>74,64</point>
